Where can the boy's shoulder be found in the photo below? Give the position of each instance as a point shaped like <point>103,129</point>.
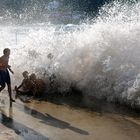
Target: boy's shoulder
<point>1,57</point>
<point>4,57</point>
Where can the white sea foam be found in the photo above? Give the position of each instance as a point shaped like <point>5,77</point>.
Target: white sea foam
<point>101,57</point>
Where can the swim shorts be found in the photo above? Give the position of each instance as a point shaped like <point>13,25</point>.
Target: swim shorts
<point>4,77</point>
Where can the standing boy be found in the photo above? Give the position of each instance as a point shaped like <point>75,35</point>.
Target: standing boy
<point>4,72</point>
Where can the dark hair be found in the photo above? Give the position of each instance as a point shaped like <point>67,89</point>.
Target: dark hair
<point>6,50</point>
<point>33,76</point>
<point>25,72</point>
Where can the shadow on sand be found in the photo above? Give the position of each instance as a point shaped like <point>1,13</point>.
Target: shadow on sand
<point>50,120</point>
<point>19,128</point>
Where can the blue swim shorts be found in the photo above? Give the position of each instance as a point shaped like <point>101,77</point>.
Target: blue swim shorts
<point>4,77</point>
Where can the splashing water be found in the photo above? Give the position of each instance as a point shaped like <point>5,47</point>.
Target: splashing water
<point>100,58</point>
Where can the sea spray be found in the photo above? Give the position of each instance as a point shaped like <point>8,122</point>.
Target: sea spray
<point>101,58</point>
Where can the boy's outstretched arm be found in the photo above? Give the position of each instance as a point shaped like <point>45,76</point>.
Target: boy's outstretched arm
<point>9,67</point>
<point>20,85</point>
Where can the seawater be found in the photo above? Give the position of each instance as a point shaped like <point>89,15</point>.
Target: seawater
<point>100,56</point>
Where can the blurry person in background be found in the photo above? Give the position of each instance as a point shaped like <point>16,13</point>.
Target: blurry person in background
<point>25,87</point>
<point>30,85</point>
<point>38,85</point>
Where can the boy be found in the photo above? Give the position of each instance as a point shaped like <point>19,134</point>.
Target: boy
<point>24,87</point>
<point>38,85</point>
<point>4,73</point>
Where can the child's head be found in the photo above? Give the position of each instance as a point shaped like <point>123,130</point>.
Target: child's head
<point>25,74</point>
<point>33,76</point>
<point>6,51</point>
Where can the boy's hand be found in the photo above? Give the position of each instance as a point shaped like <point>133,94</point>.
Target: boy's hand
<point>12,72</point>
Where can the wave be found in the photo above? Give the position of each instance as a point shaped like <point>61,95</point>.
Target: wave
<point>100,57</point>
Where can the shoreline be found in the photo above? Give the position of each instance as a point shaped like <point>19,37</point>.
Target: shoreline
<point>96,105</point>
<point>68,116</point>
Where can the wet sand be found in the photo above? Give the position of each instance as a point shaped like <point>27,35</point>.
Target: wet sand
<point>39,120</point>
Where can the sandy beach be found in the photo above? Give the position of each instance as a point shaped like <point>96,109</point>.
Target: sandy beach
<point>40,120</point>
